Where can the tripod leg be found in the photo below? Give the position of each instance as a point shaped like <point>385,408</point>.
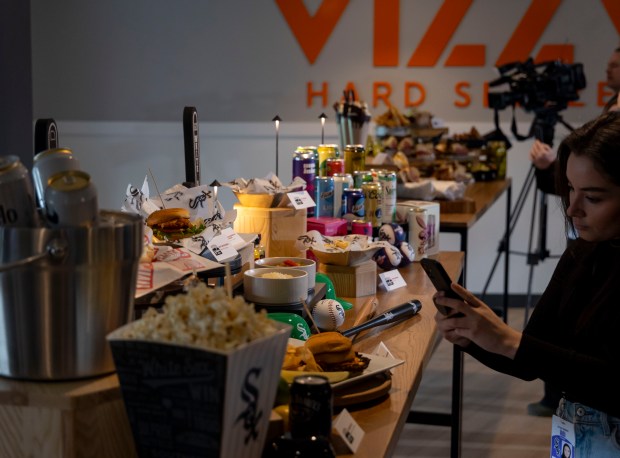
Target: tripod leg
<point>514,217</point>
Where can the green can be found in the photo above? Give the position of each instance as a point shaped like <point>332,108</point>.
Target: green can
<point>354,158</point>
<point>388,188</point>
<point>360,177</point>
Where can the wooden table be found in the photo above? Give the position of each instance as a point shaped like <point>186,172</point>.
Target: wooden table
<point>413,341</point>
<point>87,418</point>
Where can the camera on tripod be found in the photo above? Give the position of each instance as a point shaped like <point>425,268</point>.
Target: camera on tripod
<point>544,88</point>
<point>537,86</point>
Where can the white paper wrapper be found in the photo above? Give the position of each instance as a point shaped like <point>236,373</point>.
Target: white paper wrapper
<point>270,184</point>
<point>427,189</point>
<point>351,249</point>
<point>199,200</point>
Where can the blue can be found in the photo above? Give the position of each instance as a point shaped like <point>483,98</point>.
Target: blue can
<point>324,196</point>
<point>304,166</point>
<point>352,206</point>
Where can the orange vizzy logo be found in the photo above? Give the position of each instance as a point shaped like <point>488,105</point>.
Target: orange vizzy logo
<point>313,32</point>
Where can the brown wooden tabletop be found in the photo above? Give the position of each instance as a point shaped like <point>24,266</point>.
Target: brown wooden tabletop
<point>413,341</point>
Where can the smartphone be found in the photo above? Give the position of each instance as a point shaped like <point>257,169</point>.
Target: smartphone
<point>441,280</point>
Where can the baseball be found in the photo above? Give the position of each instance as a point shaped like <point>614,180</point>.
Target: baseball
<point>328,314</point>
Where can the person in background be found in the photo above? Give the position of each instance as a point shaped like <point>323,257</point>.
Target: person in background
<point>574,326</point>
<point>543,158</point>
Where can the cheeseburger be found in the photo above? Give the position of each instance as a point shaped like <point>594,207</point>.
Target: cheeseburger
<point>173,224</point>
<point>334,352</point>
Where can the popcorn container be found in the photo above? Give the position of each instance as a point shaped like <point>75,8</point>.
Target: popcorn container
<point>188,401</point>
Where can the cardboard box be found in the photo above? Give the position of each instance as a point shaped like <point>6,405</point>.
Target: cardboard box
<point>328,225</point>
<point>278,227</point>
<point>433,211</point>
<point>352,281</point>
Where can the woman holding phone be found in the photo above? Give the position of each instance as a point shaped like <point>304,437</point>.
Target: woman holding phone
<point>575,324</point>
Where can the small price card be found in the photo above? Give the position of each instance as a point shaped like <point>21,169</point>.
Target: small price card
<point>348,430</point>
<point>301,199</point>
<point>392,279</point>
<point>221,246</point>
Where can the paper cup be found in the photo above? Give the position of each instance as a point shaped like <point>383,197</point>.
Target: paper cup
<point>187,401</point>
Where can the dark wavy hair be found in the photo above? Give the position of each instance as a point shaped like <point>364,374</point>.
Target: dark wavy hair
<point>598,140</point>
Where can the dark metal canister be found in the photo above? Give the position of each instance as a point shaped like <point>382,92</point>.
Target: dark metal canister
<point>46,164</point>
<point>324,196</point>
<point>354,158</point>
<point>17,204</point>
<point>334,165</point>
<point>310,408</point>
<point>360,177</point>
<point>373,203</point>
<point>71,200</point>
<point>304,166</point>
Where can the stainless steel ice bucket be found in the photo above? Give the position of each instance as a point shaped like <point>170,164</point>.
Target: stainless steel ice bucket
<point>61,292</point>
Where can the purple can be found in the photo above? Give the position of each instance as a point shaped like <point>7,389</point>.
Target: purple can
<point>304,166</point>
<point>324,196</point>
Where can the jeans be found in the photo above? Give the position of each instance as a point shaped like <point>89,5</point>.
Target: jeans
<point>597,434</point>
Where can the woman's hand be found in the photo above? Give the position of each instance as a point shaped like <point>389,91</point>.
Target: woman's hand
<point>542,155</point>
<point>474,321</point>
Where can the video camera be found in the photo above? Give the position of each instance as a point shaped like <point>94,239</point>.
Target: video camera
<point>544,88</point>
<point>537,86</point>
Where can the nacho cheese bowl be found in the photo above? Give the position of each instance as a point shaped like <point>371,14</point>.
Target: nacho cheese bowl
<point>287,286</point>
<point>307,265</point>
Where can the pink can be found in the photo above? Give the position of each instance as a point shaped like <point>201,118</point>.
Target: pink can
<point>359,226</point>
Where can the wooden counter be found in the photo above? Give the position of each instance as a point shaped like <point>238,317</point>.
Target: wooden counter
<point>413,340</point>
<point>87,418</point>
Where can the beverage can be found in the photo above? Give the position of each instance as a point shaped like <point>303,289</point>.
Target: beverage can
<point>372,203</point>
<point>324,196</point>
<point>359,226</point>
<point>17,202</point>
<point>388,185</point>
<point>360,177</point>
<point>310,407</point>
<point>304,166</point>
<point>47,163</point>
<point>353,206</point>
<point>334,165</point>
<point>354,158</point>
<point>417,219</point>
<point>342,181</point>
<point>324,152</point>
<point>71,199</point>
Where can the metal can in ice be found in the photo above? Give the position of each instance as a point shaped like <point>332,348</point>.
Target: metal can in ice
<point>359,226</point>
<point>324,196</point>
<point>46,164</point>
<point>324,152</point>
<point>17,204</point>
<point>310,407</point>
<point>71,199</point>
<point>334,165</point>
<point>372,203</point>
<point>342,181</point>
<point>360,177</point>
<point>354,158</point>
<point>417,219</point>
<point>304,166</point>
<point>388,185</point>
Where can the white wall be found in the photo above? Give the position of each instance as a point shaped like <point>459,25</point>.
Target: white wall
<point>117,154</point>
